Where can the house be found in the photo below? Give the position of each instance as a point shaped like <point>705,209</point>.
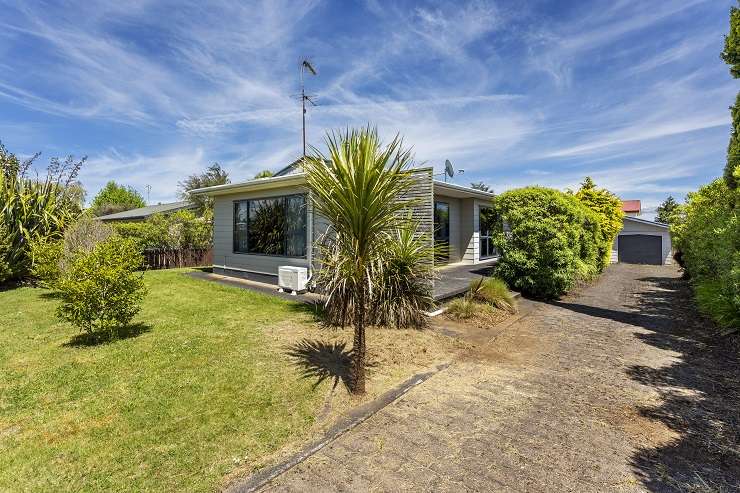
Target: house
<point>262,224</point>
<point>143,213</point>
<point>631,208</point>
<point>641,241</point>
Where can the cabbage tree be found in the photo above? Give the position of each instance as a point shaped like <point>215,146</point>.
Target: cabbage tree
<point>357,188</point>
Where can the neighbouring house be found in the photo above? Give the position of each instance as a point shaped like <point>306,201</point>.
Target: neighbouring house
<point>641,241</point>
<point>631,208</point>
<point>144,213</point>
<point>263,224</point>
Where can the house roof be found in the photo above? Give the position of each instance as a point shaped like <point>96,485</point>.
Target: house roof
<point>290,169</point>
<point>145,212</point>
<point>291,179</point>
<point>631,206</point>
<point>452,190</point>
<point>645,221</point>
<point>297,178</point>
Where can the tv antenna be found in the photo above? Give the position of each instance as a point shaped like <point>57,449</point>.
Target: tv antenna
<point>306,65</point>
<point>449,170</point>
<point>148,190</point>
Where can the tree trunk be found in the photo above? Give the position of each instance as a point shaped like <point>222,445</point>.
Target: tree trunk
<point>358,350</point>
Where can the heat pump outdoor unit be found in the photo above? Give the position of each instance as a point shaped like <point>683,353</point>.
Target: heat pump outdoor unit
<point>293,279</point>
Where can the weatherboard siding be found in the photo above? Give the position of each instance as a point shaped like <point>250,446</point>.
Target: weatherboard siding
<point>223,236</point>
<point>227,262</point>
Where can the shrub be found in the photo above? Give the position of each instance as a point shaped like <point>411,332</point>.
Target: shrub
<point>5,249</point>
<point>404,293</point>
<point>46,256</point>
<point>402,288</point>
<point>35,209</point>
<point>715,302</point>
<point>706,235</point>
<point>493,291</point>
<point>462,308</point>
<point>608,209</point>
<point>101,290</point>
<point>550,242</point>
<point>51,258</point>
<point>169,231</point>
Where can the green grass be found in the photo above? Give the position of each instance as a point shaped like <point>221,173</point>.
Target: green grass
<point>201,390</point>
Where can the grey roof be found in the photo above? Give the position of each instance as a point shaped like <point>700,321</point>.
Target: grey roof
<point>293,167</point>
<point>645,221</point>
<point>145,212</point>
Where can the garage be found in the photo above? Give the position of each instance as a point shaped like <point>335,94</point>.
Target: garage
<point>641,249</point>
<point>642,242</point>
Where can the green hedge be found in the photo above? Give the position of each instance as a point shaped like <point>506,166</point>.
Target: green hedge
<point>706,235</point>
<point>549,240</point>
<point>181,229</point>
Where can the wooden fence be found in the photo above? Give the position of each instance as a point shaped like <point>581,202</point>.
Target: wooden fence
<point>161,258</point>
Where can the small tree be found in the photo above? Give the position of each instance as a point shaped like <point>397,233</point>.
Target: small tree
<point>101,291</point>
<point>731,56</point>
<point>608,208</point>
<point>357,191</point>
<point>212,176</point>
<point>666,210</point>
<point>114,198</point>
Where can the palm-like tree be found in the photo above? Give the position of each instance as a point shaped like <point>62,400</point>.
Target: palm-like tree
<point>357,189</point>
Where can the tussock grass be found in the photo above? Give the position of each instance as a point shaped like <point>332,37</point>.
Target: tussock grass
<point>493,291</point>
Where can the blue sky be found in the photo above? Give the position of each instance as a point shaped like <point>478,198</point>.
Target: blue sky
<point>630,92</point>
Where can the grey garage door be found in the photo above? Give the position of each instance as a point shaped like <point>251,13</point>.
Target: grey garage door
<point>641,249</point>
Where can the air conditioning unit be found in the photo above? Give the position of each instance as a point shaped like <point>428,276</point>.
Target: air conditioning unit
<point>293,279</point>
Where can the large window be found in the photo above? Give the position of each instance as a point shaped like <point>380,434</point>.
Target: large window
<point>486,221</point>
<point>272,226</point>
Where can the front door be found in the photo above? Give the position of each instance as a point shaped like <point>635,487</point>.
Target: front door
<point>442,231</point>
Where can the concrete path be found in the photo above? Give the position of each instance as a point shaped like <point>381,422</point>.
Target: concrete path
<point>620,388</point>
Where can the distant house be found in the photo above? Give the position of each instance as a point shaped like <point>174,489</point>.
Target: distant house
<point>263,224</point>
<point>632,208</point>
<point>143,213</point>
<point>641,241</point>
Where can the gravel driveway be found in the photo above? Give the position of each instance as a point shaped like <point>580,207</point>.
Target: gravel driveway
<point>623,387</point>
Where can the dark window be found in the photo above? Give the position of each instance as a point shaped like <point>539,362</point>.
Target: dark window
<point>271,226</point>
<point>442,231</point>
<point>487,223</point>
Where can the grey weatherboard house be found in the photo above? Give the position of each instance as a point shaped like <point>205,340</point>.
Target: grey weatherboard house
<point>262,224</point>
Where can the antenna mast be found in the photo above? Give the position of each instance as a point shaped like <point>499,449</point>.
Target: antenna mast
<point>305,65</point>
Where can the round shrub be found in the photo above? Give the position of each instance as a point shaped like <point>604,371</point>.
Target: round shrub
<point>548,240</point>
<point>102,291</point>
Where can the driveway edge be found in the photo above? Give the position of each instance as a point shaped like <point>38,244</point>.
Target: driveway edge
<point>352,419</point>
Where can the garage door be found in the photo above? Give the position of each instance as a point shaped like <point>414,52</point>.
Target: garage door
<point>641,249</point>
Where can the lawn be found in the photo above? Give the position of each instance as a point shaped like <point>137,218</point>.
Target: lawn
<point>202,389</point>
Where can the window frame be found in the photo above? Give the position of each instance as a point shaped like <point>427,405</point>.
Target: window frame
<point>488,238</point>
<point>284,198</point>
